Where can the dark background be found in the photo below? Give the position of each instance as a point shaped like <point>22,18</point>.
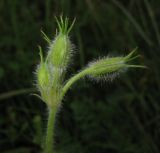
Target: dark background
<point>122,116</point>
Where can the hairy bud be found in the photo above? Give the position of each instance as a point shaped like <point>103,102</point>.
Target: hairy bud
<point>60,51</point>
<point>101,69</point>
<point>43,75</point>
<point>51,70</point>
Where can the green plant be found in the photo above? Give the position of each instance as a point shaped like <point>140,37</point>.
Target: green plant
<point>52,69</point>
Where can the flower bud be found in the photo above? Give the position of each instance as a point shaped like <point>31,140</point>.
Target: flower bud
<point>109,67</point>
<point>103,67</point>
<point>43,76</point>
<point>60,51</point>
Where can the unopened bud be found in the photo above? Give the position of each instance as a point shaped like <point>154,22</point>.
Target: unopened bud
<point>60,51</point>
<point>42,73</point>
<point>43,76</point>
<point>111,65</point>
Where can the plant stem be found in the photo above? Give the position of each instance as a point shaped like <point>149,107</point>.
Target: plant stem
<point>72,80</point>
<point>49,142</point>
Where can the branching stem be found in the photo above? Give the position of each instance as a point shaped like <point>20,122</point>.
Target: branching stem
<point>72,80</point>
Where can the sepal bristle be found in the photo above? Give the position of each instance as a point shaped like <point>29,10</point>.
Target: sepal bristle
<point>45,37</point>
<point>63,25</point>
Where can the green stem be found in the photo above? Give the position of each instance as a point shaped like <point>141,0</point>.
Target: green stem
<point>49,142</point>
<point>72,81</point>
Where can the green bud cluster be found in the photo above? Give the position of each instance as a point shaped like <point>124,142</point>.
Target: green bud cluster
<point>51,70</point>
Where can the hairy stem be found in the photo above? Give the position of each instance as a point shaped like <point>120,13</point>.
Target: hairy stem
<point>49,142</point>
<point>72,81</point>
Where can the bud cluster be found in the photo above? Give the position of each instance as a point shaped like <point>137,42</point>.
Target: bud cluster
<point>51,70</point>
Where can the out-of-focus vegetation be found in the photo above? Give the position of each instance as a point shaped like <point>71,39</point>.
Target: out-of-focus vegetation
<point>118,117</point>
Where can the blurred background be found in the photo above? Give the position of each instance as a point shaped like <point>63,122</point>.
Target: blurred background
<point>122,116</point>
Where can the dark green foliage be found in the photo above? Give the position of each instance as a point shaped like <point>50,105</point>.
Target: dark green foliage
<point>118,117</point>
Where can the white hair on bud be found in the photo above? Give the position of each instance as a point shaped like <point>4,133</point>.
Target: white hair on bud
<point>70,53</point>
<point>106,77</point>
<point>101,58</point>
